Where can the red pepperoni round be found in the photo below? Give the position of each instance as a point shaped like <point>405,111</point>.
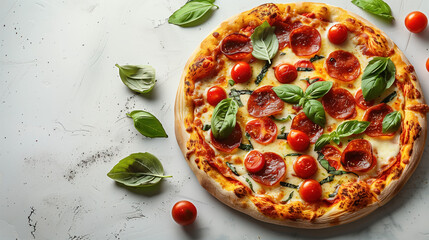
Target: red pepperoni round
<point>343,66</point>
<point>332,155</point>
<point>263,130</point>
<point>375,115</point>
<point>303,123</point>
<point>264,102</point>
<point>283,31</point>
<point>236,46</point>
<point>360,100</point>
<point>273,171</point>
<point>339,103</point>
<point>305,41</point>
<point>304,64</point>
<point>357,156</point>
<point>230,143</point>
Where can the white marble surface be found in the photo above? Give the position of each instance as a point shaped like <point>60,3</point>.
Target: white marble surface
<point>63,126</point>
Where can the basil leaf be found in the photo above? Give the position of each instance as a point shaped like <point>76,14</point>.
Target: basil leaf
<point>349,128</point>
<point>303,69</point>
<point>139,78</point>
<point>192,13</point>
<point>233,170</point>
<point>324,163</point>
<point>373,87</point>
<point>245,147</point>
<point>250,184</point>
<point>138,170</point>
<point>289,185</point>
<point>377,7</point>
<point>390,97</point>
<point>339,172</point>
<point>316,57</point>
<point>282,136</point>
<point>327,179</point>
<point>235,94</point>
<point>231,82</point>
<point>264,41</point>
<point>289,93</point>
<point>206,127</point>
<point>378,75</point>
<point>288,198</point>
<point>392,122</point>
<point>147,124</point>
<point>318,90</point>
<point>323,140</point>
<point>264,71</point>
<point>293,154</point>
<point>314,110</point>
<point>390,73</point>
<point>224,118</point>
<point>289,117</point>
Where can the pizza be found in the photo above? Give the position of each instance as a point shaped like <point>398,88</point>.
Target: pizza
<point>300,114</point>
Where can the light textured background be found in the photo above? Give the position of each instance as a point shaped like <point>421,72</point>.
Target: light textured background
<point>63,125</point>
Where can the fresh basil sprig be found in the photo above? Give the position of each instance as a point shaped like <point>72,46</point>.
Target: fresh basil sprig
<point>264,41</point>
<point>391,122</point>
<point>224,118</point>
<point>138,170</point>
<point>343,130</point>
<point>147,124</point>
<point>377,7</point>
<point>192,13</point>
<point>313,109</point>
<point>378,76</point>
<point>139,78</point>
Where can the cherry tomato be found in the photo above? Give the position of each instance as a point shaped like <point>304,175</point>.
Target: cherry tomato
<point>262,130</point>
<point>241,72</point>
<point>285,73</point>
<point>310,190</point>
<point>416,22</point>
<point>184,212</point>
<point>298,140</point>
<point>305,166</point>
<point>427,64</point>
<point>338,34</point>
<point>215,95</point>
<point>304,64</point>
<point>254,161</point>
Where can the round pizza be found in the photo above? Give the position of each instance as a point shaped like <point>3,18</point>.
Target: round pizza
<point>300,114</point>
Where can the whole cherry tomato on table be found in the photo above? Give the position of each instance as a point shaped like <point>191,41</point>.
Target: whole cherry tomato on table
<point>337,34</point>
<point>416,22</point>
<point>310,190</point>
<point>298,140</point>
<point>215,95</point>
<point>427,64</point>
<point>241,72</point>
<point>184,212</point>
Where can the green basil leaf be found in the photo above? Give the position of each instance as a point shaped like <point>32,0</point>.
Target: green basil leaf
<point>231,82</point>
<point>338,172</point>
<point>377,7</point>
<point>372,87</point>
<point>138,170</point>
<point>250,184</point>
<point>316,57</point>
<point>233,170</point>
<point>375,67</point>
<point>349,128</point>
<point>288,198</point>
<point>318,90</point>
<point>324,163</point>
<point>331,195</point>
<point>246,147</point>
<point>293,154</point>
<point>390,97</point>
<point>263,72</point>
<point>390,73</point>
<point>392,122</point>
<point>282,136</point>
<point>303,69</point>
<point>224,118</point>
<point>147,124</point>
<point>285,119</point>
<point>314,110</point>
<point>289,93</point>
<point>323,140</point>
<point>289,185</point>
<point>235,94</point>
<point>139,78</point>
<point>192,13</point>
<point>264,41</point>
<point>206,127</point>
<point>378,76</point>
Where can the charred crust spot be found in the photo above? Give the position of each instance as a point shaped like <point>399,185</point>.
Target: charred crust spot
<point>396,173</point>
<point>267,209</point>
<point>189,129</point>
<point>409,68</point>
<point>240,192</point>
<point>370,30</point>
<point>198,102</point>
<point>351,20</point>
<point>421,108</point>
<point>215,34</point>
<point>189,153</point>
<point>354,196</point>
<point>268,11</point>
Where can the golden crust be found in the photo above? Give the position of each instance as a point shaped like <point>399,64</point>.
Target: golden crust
<point>355,199</point>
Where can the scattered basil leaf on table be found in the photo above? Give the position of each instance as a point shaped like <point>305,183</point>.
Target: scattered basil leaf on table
<point>391,122</point>
<point>264,41</point>
<point>377,7</point>
<point>138,170</point>
<point>138,78</point>
<point>224,118</point>
<point>192,13</point>
<point>147,124</point>
<point>378,76</point>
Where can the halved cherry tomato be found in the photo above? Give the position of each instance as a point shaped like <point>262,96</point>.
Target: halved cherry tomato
<point>184,212</point>
<point>241,72</point>
<point>263,130</point>
<point>427,64</point>
<point>416,22</point>
<point>215,95</point>
<point>254,161</point>
<point>304,64</point>
<point>338,34</point>
<point>305,166</point>
<point>285,73</point>
<point>310,190</point>
<point>298,140</point>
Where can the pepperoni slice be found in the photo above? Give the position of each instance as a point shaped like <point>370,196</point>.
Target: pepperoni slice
<point>303,123</point>
<point>332,155</point>
<point>273,171</point>
<point>375,115</point>
<point>264,102</point>
<point>357,156</point>
<point>263,130</point>
<point>236,46</point>
<point>360,100</point>
<point>230,143</point>
<point>305,41</point>
<point>343,66</point>
<point>339,103</point>
<point>304,64</point>
<point>283,31</point>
